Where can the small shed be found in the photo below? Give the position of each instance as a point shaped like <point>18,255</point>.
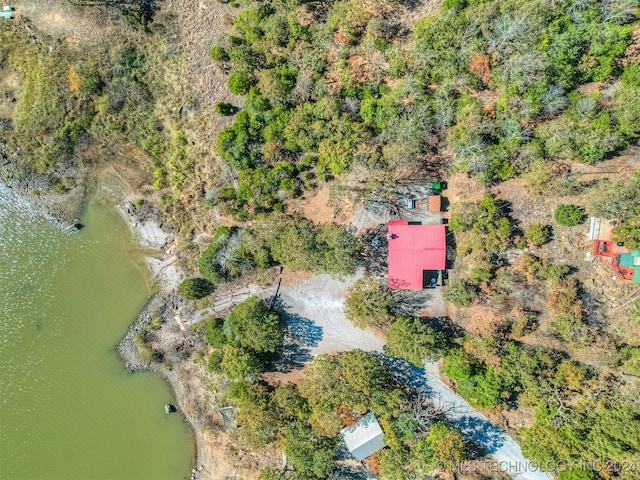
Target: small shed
<point>364,438</point>
<point>631,260</point>
<point>6,12</point>
<point>435,203</point>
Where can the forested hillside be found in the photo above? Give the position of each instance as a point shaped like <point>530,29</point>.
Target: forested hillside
<point>531,106</point>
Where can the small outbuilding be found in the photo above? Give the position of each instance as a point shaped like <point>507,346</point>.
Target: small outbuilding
<point>364,438</point>
<point>435,203</point>
<point>6,12</point>
<point>631,262</point>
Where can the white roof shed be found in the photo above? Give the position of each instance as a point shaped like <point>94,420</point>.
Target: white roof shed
<point>364,438</point>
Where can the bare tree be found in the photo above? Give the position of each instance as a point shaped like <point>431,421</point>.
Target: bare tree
<point>554,100</point>
<point>427,410</point>
<point>619,11</point>
<point>509,33</point>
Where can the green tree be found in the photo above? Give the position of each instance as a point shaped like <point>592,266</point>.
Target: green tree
<point>414,340</point>
<point>483,226</point>
<point>239,363</point>
<point>254,326</point>
<point>270,473</point>
<point>239,83</point>
<point>628,231</point>
<point>569,215</point>
<point>447,444</point>
<point>615,198</point>
<point>538,234</point>
<point>195,288</point>
<point>214,333</point>
<point>311,456</point>
<point>368,303</point>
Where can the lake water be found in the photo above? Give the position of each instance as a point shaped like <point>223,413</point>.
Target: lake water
<point>68,408</point>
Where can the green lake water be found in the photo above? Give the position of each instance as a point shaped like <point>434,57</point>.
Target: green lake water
<point>68,408</point>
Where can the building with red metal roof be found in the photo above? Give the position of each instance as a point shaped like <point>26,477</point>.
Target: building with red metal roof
<point>417,254</point>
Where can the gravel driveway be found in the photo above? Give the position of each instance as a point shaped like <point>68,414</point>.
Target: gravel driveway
<point>316,324</point>
<point>476,427</point>
<point>315,319</point>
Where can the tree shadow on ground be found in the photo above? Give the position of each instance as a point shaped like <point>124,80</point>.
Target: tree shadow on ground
<point>300,335</point>
<point>482,432</point>
<point>479,431</point>
<point>410,302</point>
<point>406,374</point>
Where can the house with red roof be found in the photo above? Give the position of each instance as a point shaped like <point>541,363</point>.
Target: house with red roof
<point>417,254</point>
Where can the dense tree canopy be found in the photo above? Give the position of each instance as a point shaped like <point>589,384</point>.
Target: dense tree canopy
<point>254,326</point>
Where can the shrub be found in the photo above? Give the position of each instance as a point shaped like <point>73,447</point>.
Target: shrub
<point>564,299</point>
<point>569,215</point>
<point>225,109</point>
<point>538,234</point>
<point>215,361</point>
<point>195,288</point>
<point>556,273</point>
<point>521,322</point>
<point>460,292</point>
<point>239,83</point>
<point>218,54</point>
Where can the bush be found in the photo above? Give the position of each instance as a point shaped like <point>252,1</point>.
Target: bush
<point>195,288</point>
<point>225,109</point>
<point>538,234</point>
<point>215,361</point>
<point>564,299</point>
<point>569,215</point>
<point>218,54</point>
<point>459,292</point>
<point>239,83</point>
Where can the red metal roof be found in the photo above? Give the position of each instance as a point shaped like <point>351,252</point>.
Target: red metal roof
<point>413,249</point>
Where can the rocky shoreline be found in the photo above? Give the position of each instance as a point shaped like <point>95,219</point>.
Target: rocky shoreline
<point>61,194</point>
<point>129,352</point>
<point>167,336</point>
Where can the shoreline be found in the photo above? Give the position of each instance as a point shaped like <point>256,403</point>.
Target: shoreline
<point>193,399</point>
<point>129,355</point>
<point>148,233</point>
